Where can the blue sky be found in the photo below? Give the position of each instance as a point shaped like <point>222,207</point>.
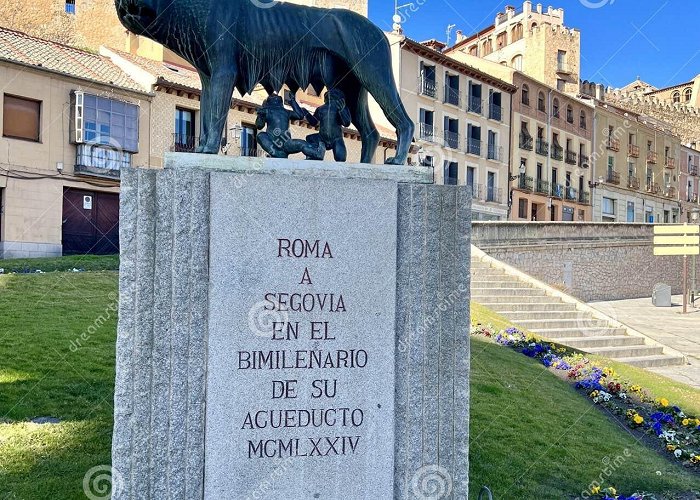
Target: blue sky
<point>620,39</point>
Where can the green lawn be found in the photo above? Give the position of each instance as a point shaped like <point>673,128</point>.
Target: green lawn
<point>81,262</point>
<point>533,437</point>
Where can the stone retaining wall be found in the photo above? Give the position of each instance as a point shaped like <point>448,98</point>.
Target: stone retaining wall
<point>592,261</point>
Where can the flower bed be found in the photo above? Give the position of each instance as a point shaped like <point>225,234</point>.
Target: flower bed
<point>676,432</point>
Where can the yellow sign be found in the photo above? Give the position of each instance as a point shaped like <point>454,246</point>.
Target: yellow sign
<point>677,239</point>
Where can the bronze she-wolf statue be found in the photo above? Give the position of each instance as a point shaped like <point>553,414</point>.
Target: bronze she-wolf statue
<point>242,43</point>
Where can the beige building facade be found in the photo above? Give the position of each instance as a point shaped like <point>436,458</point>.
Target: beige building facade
<point>533,40</point>
<point>67,128</point>
<point>462,118</point>
<point>636,168</point>
<point>689,181</point>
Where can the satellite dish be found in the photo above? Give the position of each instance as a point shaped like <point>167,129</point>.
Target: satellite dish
<point>397,18</point>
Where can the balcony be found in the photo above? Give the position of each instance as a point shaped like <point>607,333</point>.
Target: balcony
<point>184,143</point>
<point>494,153</point>
<point>584,197</point>
<point>542,187</point>
<point>526,142</point>
<point>473,146</point>
<point>557,191</point>
<point>100,161</point>
<point>693,170</point>
<point>474,105</point>
<point>571,157</point>
<point>451,139</point>
<point>669,162</point>
<point>693,198</point>
<point>477,190</point>
<point>452,96</point>
<point>542,147</point>
<point>427,87</point>
<point>564,68</point>
<point>571,194</point>
<point>653,187</point>
<point>613,177</point>
<point>426,132</point>
<point>633,182</point>
<point>612,144</point>
<point>495,112</point>
<point>633,151</point>
<point>494,195</point>
<point>652,157</point>
<point>557,152</point>
<point>525,183</point>
<point>584,161</point>
<point>670,192</point>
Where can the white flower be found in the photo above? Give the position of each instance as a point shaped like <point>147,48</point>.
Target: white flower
<point>623,396</point>
<point>678,453</point>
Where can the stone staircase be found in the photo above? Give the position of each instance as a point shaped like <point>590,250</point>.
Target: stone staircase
<point>532,308</point>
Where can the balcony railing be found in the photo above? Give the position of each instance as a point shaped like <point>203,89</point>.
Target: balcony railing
<point>564,68</point>
<point>571,157</point>
<point>495,153</point>
<point>451,95</point>
<point>693,170</point>
<point>557,191</point>
<point>653,187</point>
<point>652,157</point>
<point>670,162</point>
<point>474,104</point>
<point>426,132</point>
<point>542,147</point>
<point>633,151</point>
<point>612,144</point>
<point>584,197</point>
<point>571,194</point>
<point>494,195</point>
<point>427,87</point>
<point>670,192</point>
<point>542,187</point>
<point>451,139</point>
<point>495,112</point>
<point>584,161</point>
<point>473,146</point>
<point>557,152</point>
<point>477,190</point>
<point>633,182</point>
<point>525,182</point>
<point>613,177</point>
<point>183,143</point>
<point>526,142</point>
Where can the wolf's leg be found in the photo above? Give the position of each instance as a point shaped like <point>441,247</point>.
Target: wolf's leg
<point>217,92</point>
<point>356,100</point>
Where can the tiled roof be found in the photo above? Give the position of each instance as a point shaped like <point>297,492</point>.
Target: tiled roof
<point>24,49</point>
<point>176,75</point>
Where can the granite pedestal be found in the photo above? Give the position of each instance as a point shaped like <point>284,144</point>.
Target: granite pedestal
<point>291,330</point>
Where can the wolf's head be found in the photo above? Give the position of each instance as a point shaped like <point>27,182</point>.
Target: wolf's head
<point>138,16</point>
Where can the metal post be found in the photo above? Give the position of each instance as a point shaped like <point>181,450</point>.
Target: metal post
<point>685,284</point>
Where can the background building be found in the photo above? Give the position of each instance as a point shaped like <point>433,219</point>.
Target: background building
<point>532,40</point>
<point>689,181</point>
<point>462,118</point>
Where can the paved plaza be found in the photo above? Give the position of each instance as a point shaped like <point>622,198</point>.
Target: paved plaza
<point>668,326</point>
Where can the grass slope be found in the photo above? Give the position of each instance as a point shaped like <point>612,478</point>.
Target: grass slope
<point>533,437</point>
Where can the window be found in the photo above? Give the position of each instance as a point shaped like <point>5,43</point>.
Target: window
<point>540,102</point>
<point>184,130</point>
<point>630,211</point>
<point>106,121</point>
<point>561,85</point>
<point>492,194</point>
<point>608,206</point>
<point>526,95</point>
<point>501,40</point>
<point>522,208</point>
<point>70,6</point>
<point>688,94</point>
<point>555,108</point>
<point>451,173</point>
<point>21,118</point>
<point>561,60</point>
<point>517,63</point>
<point>471,176</point>
<point>582,120</point>
<point>474,50</point>
<point>249,145</point>
<point>495,110</point>
<point>427,161</point>
<point>474,104</point>
<point>487,47</point>
<point>516,33</point>
<point>676,96</point>
<point>428,82</point>
<point>569,114</point>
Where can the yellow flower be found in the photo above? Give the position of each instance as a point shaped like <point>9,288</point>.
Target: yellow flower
<point>595,490</point>
<point>612,491</point>
<point>663,402</point>
<point>638,419</point>
<point>671,447</point>
<point>686,422</point>
<point>697,421</point>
